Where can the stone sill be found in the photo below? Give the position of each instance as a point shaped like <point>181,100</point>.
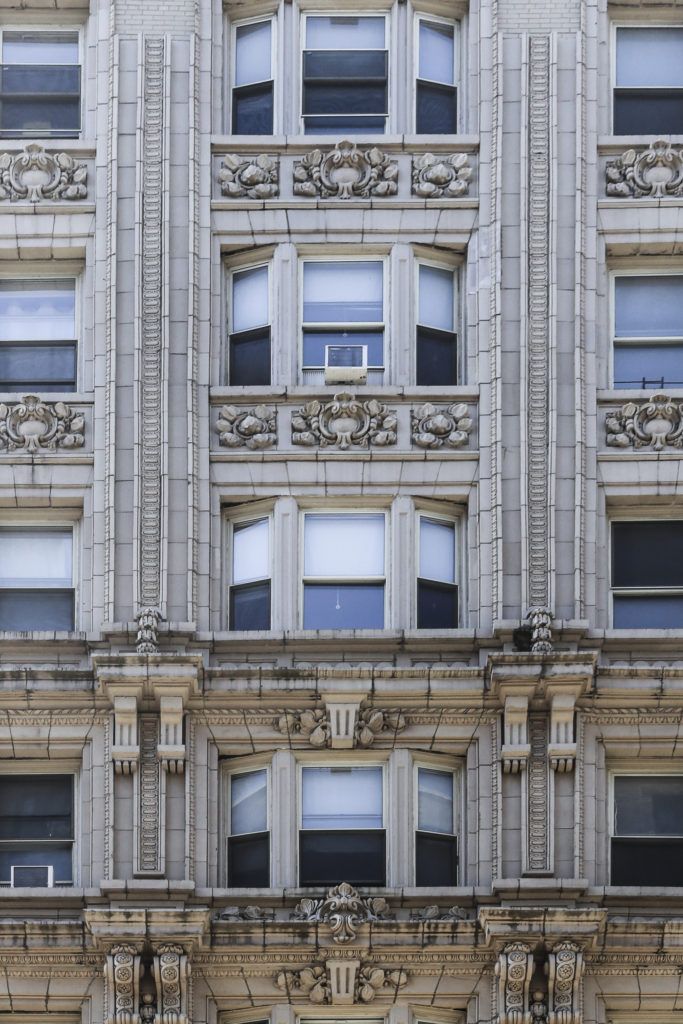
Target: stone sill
<point>618,144</point>
<point>541,888</point>
<point>75,147</point>
<point>632,895</point>
<point>298,392</point>
<point>387,640</point>
<point>273,144</point>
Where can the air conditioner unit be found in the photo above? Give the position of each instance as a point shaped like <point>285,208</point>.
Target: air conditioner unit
<point>33,876</point>
<point>346,364</point>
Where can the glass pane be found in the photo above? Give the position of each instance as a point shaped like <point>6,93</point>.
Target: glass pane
<point>437,550</point>
<point>437,109</point>
<point>343,292</point>
<point>37,310</point>
<point>343,606</point>
<point>648,113</point>
<point>252,56</point>
<point>648,612</point>
<point>435,801</point>
<point>648,366</point>
<point>650,56</point>
<point>437,605</point>
<point>647,862</point>
<point>649,306</point>
<point>648,805</point>
<point>345,33</point>
<point>252,110</point>
<point>334,798</point>
<point>250,551</point>
<point>250,357</point>
<point>248,802</point>
<point>43,116</point>
<point>40,48</point>
<point>437,52</point>
<point>36,807</point>
<point>327,858</point>
<point>436,307</point>
<point>250,306</point>
<point>250,606</point>
<point>35,558</point>
<point>437,358</point>
<point>366,68</point>
<point>345,99</point>
<point>436,860</point>
<point>346,124</point>
<point>32,609</point>
<point>316,341</point>
<point>59,856</point>
<point>344,545</point>
<point>49,367</point>
<point>647,554</point>
<point>249,862</point>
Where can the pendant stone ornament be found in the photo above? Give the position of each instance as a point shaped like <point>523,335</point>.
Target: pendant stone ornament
<point>344,910</point>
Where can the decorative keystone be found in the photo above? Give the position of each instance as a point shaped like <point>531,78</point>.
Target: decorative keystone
<point>243,177</point>
<point>345,172</point>
<point>655,173</point>
<point>33,426</point>
<point>656,424</point>
<point>341,724</point>
<point>441,177</point>
<point>35,175</point>
<point>344,423</point>
<point>247,428</point>
<point>441,426</point>
<point>340,982</point>
<point>344,910</point>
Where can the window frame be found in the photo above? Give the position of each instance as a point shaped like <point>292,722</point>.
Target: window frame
<point>56,524</point>
<point>648,768</point>
<point>66,26</point>
<point>231,270</point>
<point>637,271</point>
<point>455,766</point>
<point>232,66</point>
<point>454,520</point>
<point>626,516</point>
<point>243,766</point>
<point>454,268</point>
<point>458,72</point>
<point>244,517</point>
<point>615,25</point>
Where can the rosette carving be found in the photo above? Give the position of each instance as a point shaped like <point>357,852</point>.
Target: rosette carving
<point>565,968</point>
<point>344,423</point>
<point>247,428</point>
<point>33,426</point>
<point>656,424</point>
<point>312,982</point>
<point>312,725</point>
<point>514,970</point>
<point>35,175</point>
<point>246,177</point>
<point>344,910</point>
<point>171,974</point>
<point>441,177</point>
<point>345,172</point>
<point>656,172</point>
<point>122,973</point>
<point>441,426</point>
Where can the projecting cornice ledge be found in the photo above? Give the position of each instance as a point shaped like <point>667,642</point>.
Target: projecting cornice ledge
<point>501,925</point>
<point>190,928</point>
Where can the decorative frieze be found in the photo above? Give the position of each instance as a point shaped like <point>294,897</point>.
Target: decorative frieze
<point>656,424</point>
<point>243,177</point>
<point>441,177</point>
<point>514,969</point>
<point>34,175</point>
<point>440,426</point>
<point>656,173</point>
<point>345,172</point>
<point>565,969</point>
<point>344,910</point>
<point>247,428</point>
<point>341,982</point>
<point>34,426</point>
<point>122,976</point>
<point>171,975</point>
<point>538,794</point>
<point>344,423</point>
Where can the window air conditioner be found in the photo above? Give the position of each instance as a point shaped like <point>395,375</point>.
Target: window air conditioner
<point>33,876</point>
<point>346,364</point>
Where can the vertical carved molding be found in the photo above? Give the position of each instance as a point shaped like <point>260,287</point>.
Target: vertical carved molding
<point>538,416</point>
<point>538,858</point>
<point>193,325</point>
<point>149,802</point>
<point>514,970</point>
<point>122,981</point>
<point>565,970</point>
<point>495,312</point>
<point>108,503</point>
<point>171,975</point>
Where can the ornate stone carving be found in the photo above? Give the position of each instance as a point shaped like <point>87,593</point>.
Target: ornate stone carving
<point>248,913</point>
<point>656,172</point>
<point>171,974</point>
<point>122,974</point>
<point>126,749</point>
<point>372,723</point>
<point>440,426</point>
<point>243,177</point>
<point>540,620</point>
<point>344,423</point>
<point>35,175</point>
<point>147,640</point>
<point>315,726</point>
<point>149,845</point>
<point>309,981</point>
<point>33,426</point>
<point>441,177</point>
<point>435,913</point>
<point>345,172</point>
<point>565,968</point>
<point>372,980</point>
<point>538,793</point>
<point>312,725</point>
<point>344,909</point>
<point>325,984</point>
<point>514,969</point>
<point>247,428</point>
<point>538,1007</point>
<point>656,424</point>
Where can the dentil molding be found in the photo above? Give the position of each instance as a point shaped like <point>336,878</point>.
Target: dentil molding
<point>243,177</point>
<point>35,175</point>
<point>441,177</point>
<point>33,426</point>
<point>656,424</point>
<point>656,173</point>
<point>345,172</point>
<point>343,423</point>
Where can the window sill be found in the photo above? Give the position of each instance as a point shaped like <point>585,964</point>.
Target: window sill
<point>617,144</point>
<point>224,393</point>
<point>389,143</point>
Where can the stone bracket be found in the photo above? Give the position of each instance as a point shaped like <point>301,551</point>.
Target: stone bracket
<point>126,747</point>
<point>122,975</point>
<point>516,748</point>
<point>171,748</point>
<point>171,968</point>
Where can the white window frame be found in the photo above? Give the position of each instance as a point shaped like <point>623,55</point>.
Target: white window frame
<point>639,24</point>
<point>232,65</point>
<point>238,268</point>
<point>453,519</point>
<point>243,766</point>
<point>65,26</point>
<point>458,75</point>
<point>630,517</point>
<point>420,260</point>
<point>648,768</point>
<point>637,271</point>
<point>74,525</point>
<point>445,764</point>
<point>239,520</point>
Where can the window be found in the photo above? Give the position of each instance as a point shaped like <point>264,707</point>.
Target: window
<point>250,590</point>
<point>36,830</point>
<point>647,832</point>
<point>344,578</point>
<point>648,331</point>
<point>252,88</point>
<point>249,341</point>
<point>437,342</point>
<point>342,837</point>
<point>38,335</point>
<point>436,92</point>
<point>437,591</point>
<point>648,94</point>
<point>647,574</point>
<point>36,579</point>
<point>343,319</point>
<point>248,834</point>
<point>344,75</point>
<point>436,845</point>
<point>40,94</point>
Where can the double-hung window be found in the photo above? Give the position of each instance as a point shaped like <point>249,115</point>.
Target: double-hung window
<point>436,95</point>
<point>342,836</point>
<point>647,830</point>
<point>248,830</point>
<point>436,844</point>
<point>436,339</point>
<point>36,830</point>
<point>38,335</point>
<point>249,327</point>
<point>437,588</point>
<point>40,91</point>
<point>344,575</point>
<point>647,574</point>
<point>345,74</point>
<point>648,331</point>
<point>250,588</point>
<point>343,321</point>
<point>36,579</point>
<point>648,93</point>
<point>252,79</point>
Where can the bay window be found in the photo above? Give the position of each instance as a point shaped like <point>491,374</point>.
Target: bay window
<point>436,845</point>
<point>252,81</point>
<point>437,590</point>
<point>38,335</point>
<point>647,830</point>
<point>436,91</point>
<point>36,829</point>
<point>36,578</point>
<point>436,338</point>
<point>648,331</point>
<point>249,326</point>
<point>40,89</point>
<point>647,574</point>
<point>648,93</point>
<point>250,588</point>
<point>248,830</point>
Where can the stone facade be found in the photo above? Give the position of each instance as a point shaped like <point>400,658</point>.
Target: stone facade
<point>533,702</point>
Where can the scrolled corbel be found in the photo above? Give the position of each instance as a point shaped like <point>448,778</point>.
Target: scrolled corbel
<point>122,976</point>
<point>565,970</point>
<point>126,747</point>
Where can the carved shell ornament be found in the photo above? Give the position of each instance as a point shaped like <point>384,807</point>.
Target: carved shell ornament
<point>345,172</point>
<point>657,172</point>
<point>35,175</point>
<point>33,426</point>
<point>656,424</point>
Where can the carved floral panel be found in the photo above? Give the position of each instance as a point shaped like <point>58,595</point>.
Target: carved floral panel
<point>35,175</point>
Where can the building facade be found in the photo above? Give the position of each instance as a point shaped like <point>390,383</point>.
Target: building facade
<point>341,539</point>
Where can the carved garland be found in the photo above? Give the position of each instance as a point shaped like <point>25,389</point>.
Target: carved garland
<point>344,173</point>
<point>32,426</point>
<point>656,424</point>
<point>344,423</point>
<point>35,175</point>
<point>344,909</point>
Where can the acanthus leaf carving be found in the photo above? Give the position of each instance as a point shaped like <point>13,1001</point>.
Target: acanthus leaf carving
<point>35,175</point>
<point>171,974</point>
<point>122,974</point>
<point>434,913</point>
<point>344,909</point>
<point>344,423</point>
<point>514,970</point>
<point>247,428</point>
<point>312,982</point>
<point>372,980</point>
<point>340,982</point>
<point>32,426</point>
<point>345,172</point>
<point>565,969</point>
<point>249,177</point>
<point>540,619</point>
<point>441,177</point>
<point>656,172</point>
<point>441,426</point>
<point>372,722</point>
<point>147,639</point>
<point>656,424</point>
<point>312,725</point>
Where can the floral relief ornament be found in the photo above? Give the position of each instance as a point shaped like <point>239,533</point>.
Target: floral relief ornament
<point>344,423</point>
<point>314,982</point>
<point>437,177</point>
<point>345,172</point>
<point>344,909</point>
<point>33,426</point>
<point>251,178</point>
<point>656,424</point>
<point>35,175</point>
<point>657,172</point>
<point>439,427</point>
<point>247,428</point>
<point>312,725</point>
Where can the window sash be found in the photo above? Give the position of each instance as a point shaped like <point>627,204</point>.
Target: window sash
<point>238,80</point>
<point>32,551</point>
<point>343,786</point>
<point>258,794</point>
<point>432,24</point>
<point>647,46</point>
<point>348,525</point>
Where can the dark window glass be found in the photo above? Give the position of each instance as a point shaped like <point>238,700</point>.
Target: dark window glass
<point>252,109</point>
<point>648,805</point>
<point>330,857</point>
<point>648,366</point>
<point>343,606</point>
<point>647,554</point>
<point>648,112</point>
<point>250,357</point>
<point>648,611</point>
<point>437,357</point>
<point>46,367</point>
<point>59,856</point>
<point>315,342</point>
<point>250,606</point>
<point>436,859</point>
<point>40,99</point>
<point>36,824</point>
<point>647,861</point>
<point>436,109</point>
<point>249,860</point>
<point>34,609</point>
<point>344,90</point>
<point>437,605</point>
